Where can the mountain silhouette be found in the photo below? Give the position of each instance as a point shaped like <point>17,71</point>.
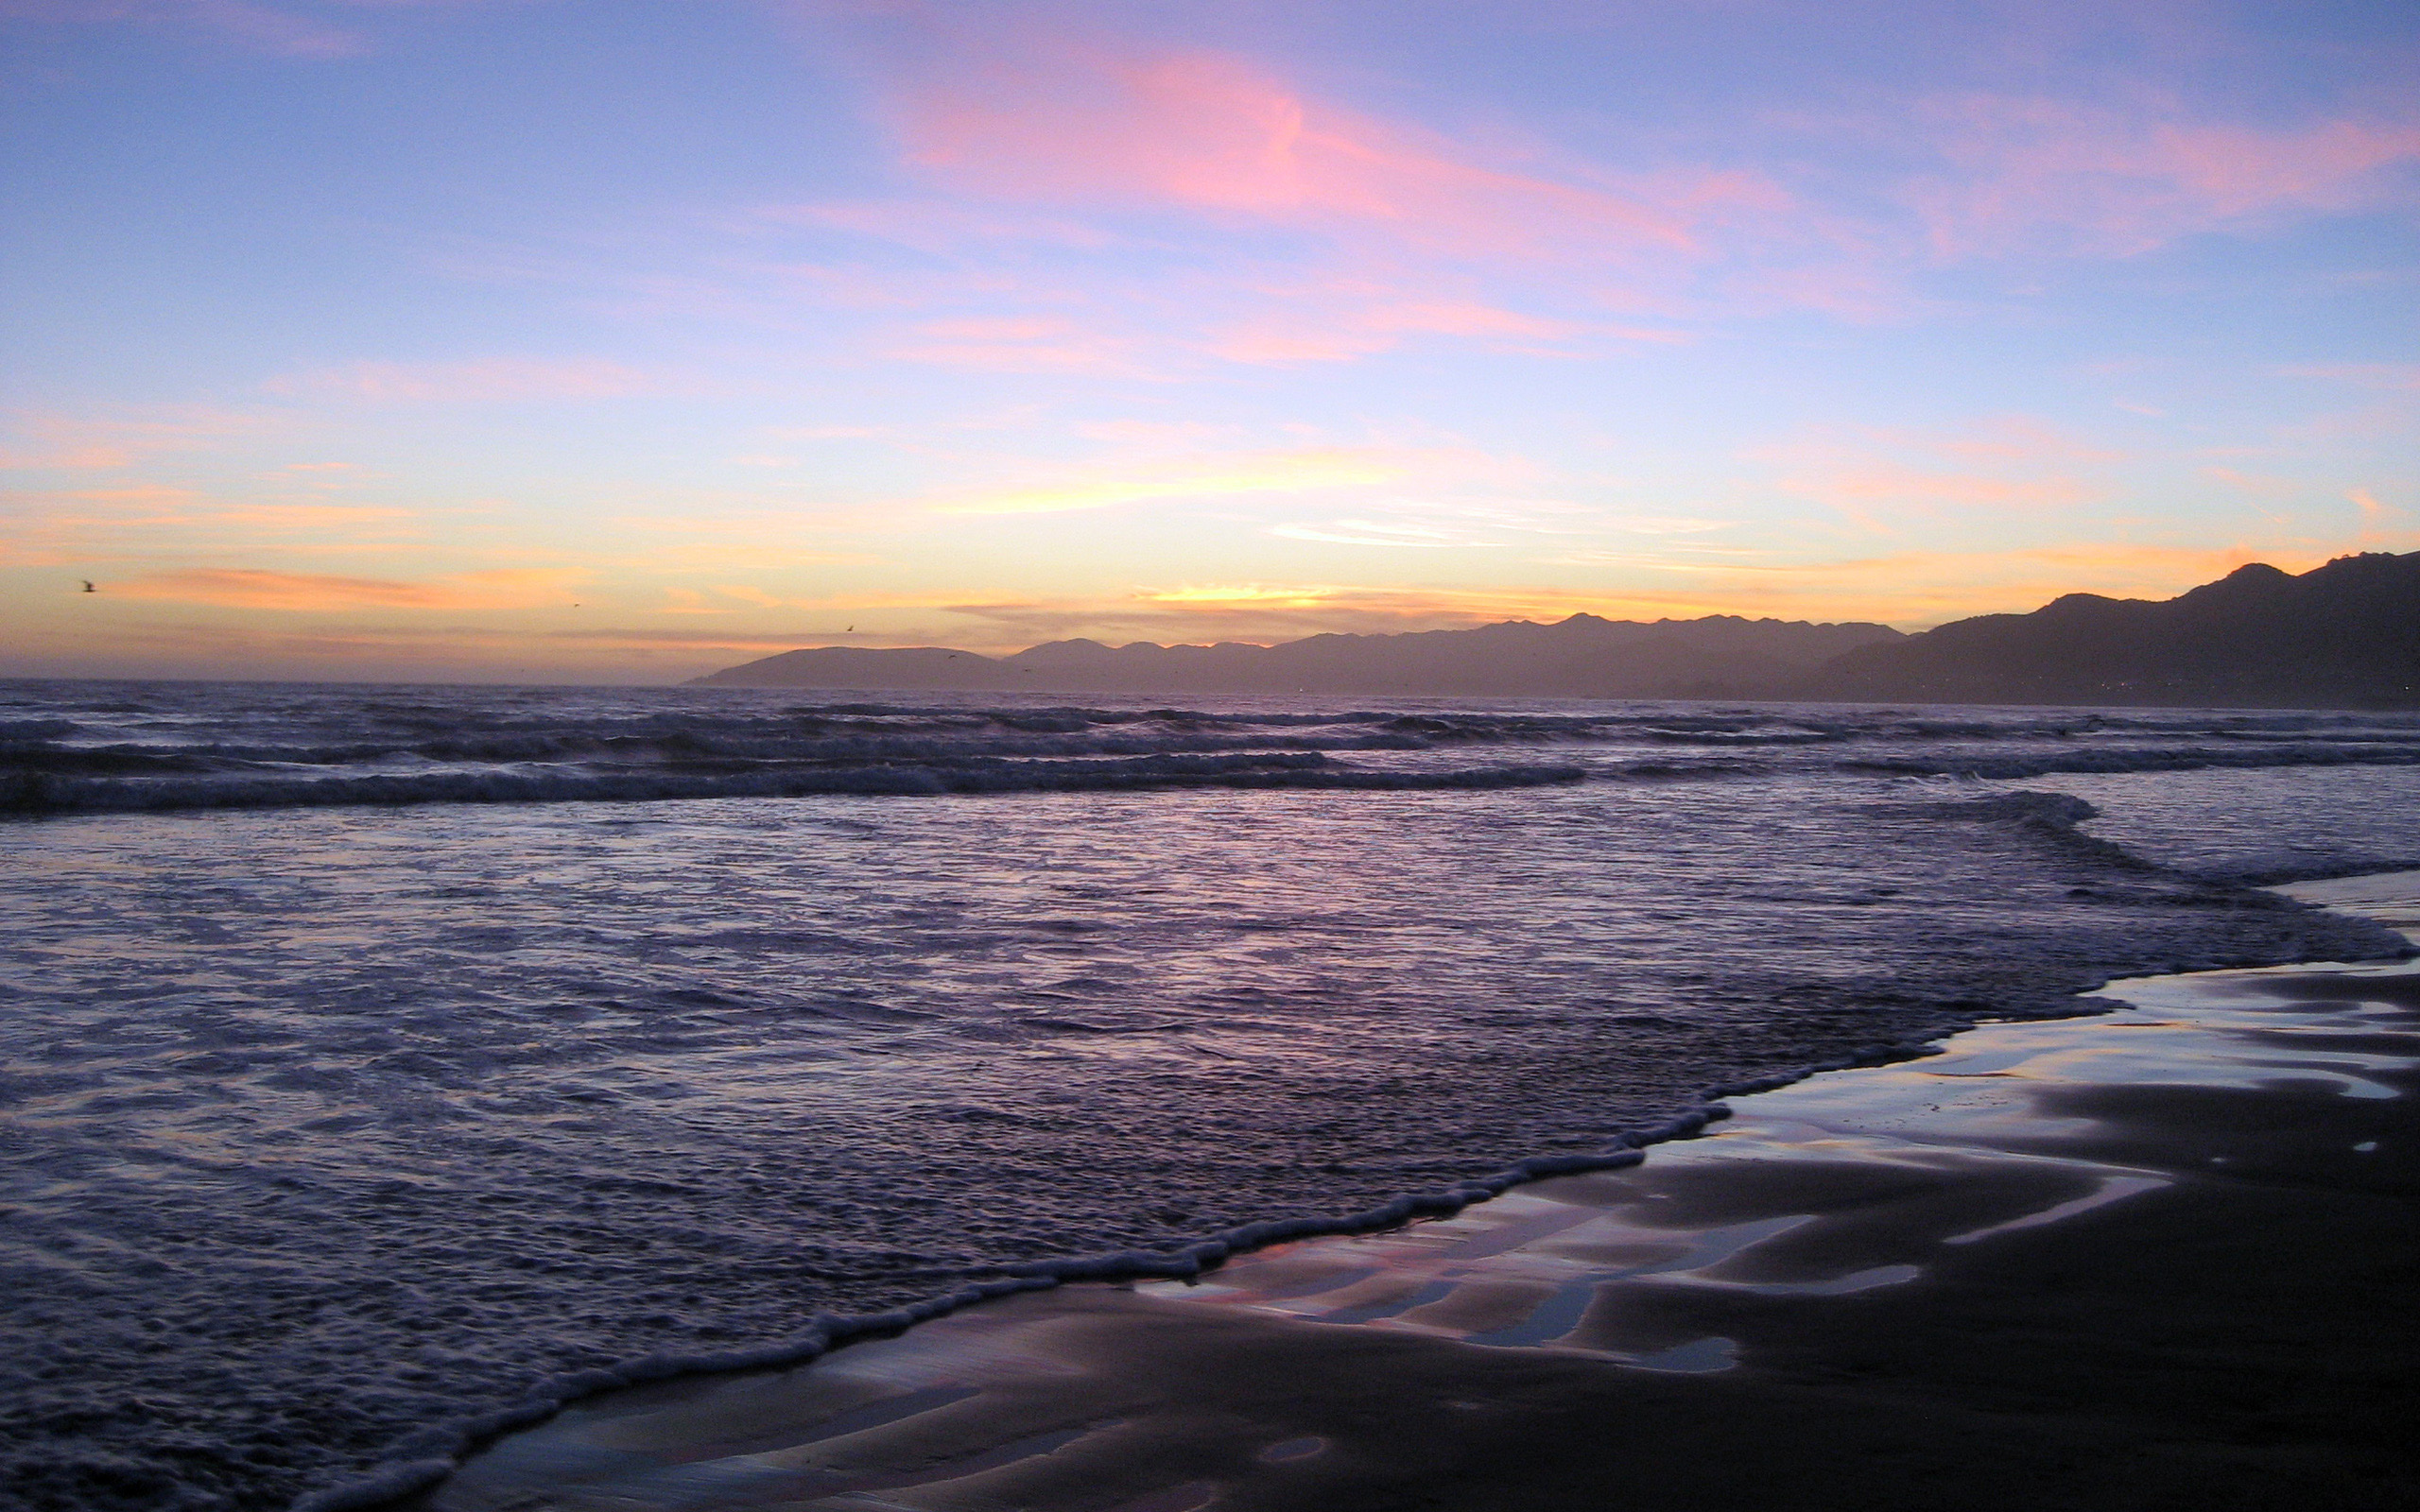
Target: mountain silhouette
<point>1583,657</point>
<point>2344,635</point>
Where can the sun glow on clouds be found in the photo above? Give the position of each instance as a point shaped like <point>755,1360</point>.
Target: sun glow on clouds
<point>992,312</point>
<point>296,593</point>
<point>108,442</point>
<point>1903,587</point>
<point>148,521</point>
<point>1082,120</point>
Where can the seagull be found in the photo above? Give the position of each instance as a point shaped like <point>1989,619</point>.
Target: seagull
<point>88,585</point>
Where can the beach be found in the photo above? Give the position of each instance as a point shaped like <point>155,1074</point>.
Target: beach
<point>2160,1257</point>
<point>385,1067</point>
<point>1075,756</point>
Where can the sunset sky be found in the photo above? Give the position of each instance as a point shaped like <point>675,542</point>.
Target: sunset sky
<point>619,340</point>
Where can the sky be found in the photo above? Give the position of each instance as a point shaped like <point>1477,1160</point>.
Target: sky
<point>620,341</point>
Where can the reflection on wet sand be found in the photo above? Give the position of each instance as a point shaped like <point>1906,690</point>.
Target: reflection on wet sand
<point>2147,1259</point>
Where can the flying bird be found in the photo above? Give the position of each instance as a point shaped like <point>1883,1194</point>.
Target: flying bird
<point>88,586</point>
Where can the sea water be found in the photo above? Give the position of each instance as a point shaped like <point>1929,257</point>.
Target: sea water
<point>370,1054</point>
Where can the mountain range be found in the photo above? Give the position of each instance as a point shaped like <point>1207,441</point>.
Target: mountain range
<point>2346,634</point>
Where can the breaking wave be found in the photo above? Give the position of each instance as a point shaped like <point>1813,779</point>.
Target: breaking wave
<point>46,793</point>
<point>118,748</point>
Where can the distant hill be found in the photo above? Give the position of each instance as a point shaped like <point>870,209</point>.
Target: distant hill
<point>1583,657</point>
<point>2345,635</point>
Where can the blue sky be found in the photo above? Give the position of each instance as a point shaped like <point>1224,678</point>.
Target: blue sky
<point>506,339</point>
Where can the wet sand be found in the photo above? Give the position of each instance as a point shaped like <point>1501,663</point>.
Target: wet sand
<point>2163,1258</point>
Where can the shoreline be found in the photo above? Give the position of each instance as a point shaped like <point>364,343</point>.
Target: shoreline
<point>1825,1264</point>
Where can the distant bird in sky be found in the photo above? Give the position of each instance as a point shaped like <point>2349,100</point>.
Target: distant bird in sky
<point>88,586</point>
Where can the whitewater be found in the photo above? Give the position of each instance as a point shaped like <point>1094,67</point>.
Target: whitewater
<point>370,1055</point>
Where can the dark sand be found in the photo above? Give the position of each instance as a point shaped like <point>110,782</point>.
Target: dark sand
<point>2161,1259</point>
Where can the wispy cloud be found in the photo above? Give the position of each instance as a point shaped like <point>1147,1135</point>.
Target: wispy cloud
<point>1372,533</point>
<point>1862,486</point>
<point>99,442</point>
<point>1167,202</point>
<point>1881,478</point>
<point>2035,174</point>
<point>1086,120</point>
<point>2399,375</point>
<point>147,522</point>
<point>254,588</point>
<point>1016,344</point>
<point>1118,205</point>
<point>487,380</point>
<point>1353,318</point>
<point>1265,473</point>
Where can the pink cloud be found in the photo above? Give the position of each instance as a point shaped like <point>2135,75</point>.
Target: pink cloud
<point>2010,464</point>
<point>1083,121</point>
<point>2015,438</point>
<point>2030,173</point>
<point>1007,328</point>
<point>247,588</point>
<point>144,521</point>
<point>108,441</point>
<point>1059,140</point>
<point>1280,344</point>
<point>1467,318</point>
<point>1891,483</point>
<point>487,380</point>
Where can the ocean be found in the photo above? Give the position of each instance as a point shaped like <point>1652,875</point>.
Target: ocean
<point>370,1054</point>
